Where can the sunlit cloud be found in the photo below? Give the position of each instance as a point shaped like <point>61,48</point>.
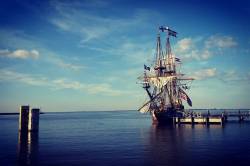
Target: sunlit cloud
<point>184,45</point>
<point>204,74</point>
<point>63,64</point>
<point>20,54</point>
<point>201,49</point>
<point>220,42</point>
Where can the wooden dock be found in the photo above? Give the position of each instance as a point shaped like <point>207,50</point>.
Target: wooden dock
<point>191,117</point>
<point>199,120</point>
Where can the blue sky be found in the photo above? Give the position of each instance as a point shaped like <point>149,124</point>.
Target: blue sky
<point>87,55</point>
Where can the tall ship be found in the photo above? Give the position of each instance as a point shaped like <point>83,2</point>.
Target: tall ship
<point>164,84</point>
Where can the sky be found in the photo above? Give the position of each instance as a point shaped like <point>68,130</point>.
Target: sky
<point>87,55</point>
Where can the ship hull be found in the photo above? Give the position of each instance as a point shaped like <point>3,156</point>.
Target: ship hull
<point>164,117</point>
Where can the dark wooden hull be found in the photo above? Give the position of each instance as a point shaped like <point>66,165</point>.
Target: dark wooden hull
<point>165,117</point>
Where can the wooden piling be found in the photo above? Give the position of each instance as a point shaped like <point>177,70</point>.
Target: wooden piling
<point>222,121</point>
<point>34,119</point>
<point>207,120</point>
<point>175,120</point>
<point>23,118</point>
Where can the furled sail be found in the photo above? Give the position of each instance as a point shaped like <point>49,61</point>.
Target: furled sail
<point>145,107</point>
<point>159,81</point>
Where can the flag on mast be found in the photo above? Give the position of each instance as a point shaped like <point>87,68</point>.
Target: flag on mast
<point>184,96</point>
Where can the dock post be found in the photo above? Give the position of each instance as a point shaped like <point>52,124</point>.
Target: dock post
<point>174,120</point>
<point>222,118</point>
<point>34,119</point>
<point>225,116</point>
<point>192,120</point>
<point>241,118</point>
<point>222,121</point>
<point>24,118</point>
<point>207,120</point>
<point>179,120</point>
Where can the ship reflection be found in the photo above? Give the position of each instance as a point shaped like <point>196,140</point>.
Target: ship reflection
<point>28,148</point>
<point>174,145</point>
<point>166,145</point>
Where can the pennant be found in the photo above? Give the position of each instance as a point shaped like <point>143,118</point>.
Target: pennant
<point>177,59</point>
<point>146,67</point>
<point>172,33</point>
<point>189,101</point>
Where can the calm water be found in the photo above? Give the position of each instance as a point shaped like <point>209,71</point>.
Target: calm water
<point>121,138</point>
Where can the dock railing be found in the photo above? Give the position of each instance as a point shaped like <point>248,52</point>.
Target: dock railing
<point>212,112</point>
<point>212,116</point>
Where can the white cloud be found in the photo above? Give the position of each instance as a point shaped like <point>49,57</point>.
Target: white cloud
<point>66,84</point>
<point>20,53</point>
<point>205,54</point>
<point>234,76</point>
<point>61,24</point>
<point>220,42</point>
<point>203,49</point>
<point>197,54</point>
<point>90,33</point>
<point>61,83</point>
<point>184,45</point>
<point>66,65</point>
<point>8,75</point>
<point>20,39</point>
<point>205,74</point>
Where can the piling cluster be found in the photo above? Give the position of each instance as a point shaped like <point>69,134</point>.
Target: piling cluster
<point>29,119</point>
<point>28,135</point>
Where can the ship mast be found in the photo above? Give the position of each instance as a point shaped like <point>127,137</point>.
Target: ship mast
<point>170,68</point>
<point>159,63</point>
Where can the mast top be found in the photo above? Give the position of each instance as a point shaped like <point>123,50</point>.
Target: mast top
<point>168,30</point>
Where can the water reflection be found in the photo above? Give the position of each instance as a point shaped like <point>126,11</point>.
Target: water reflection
<point>176,145</point>
<point>165,143</point>
<point>28,148</point>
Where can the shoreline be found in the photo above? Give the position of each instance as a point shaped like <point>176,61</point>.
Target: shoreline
<point>13,113</point>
